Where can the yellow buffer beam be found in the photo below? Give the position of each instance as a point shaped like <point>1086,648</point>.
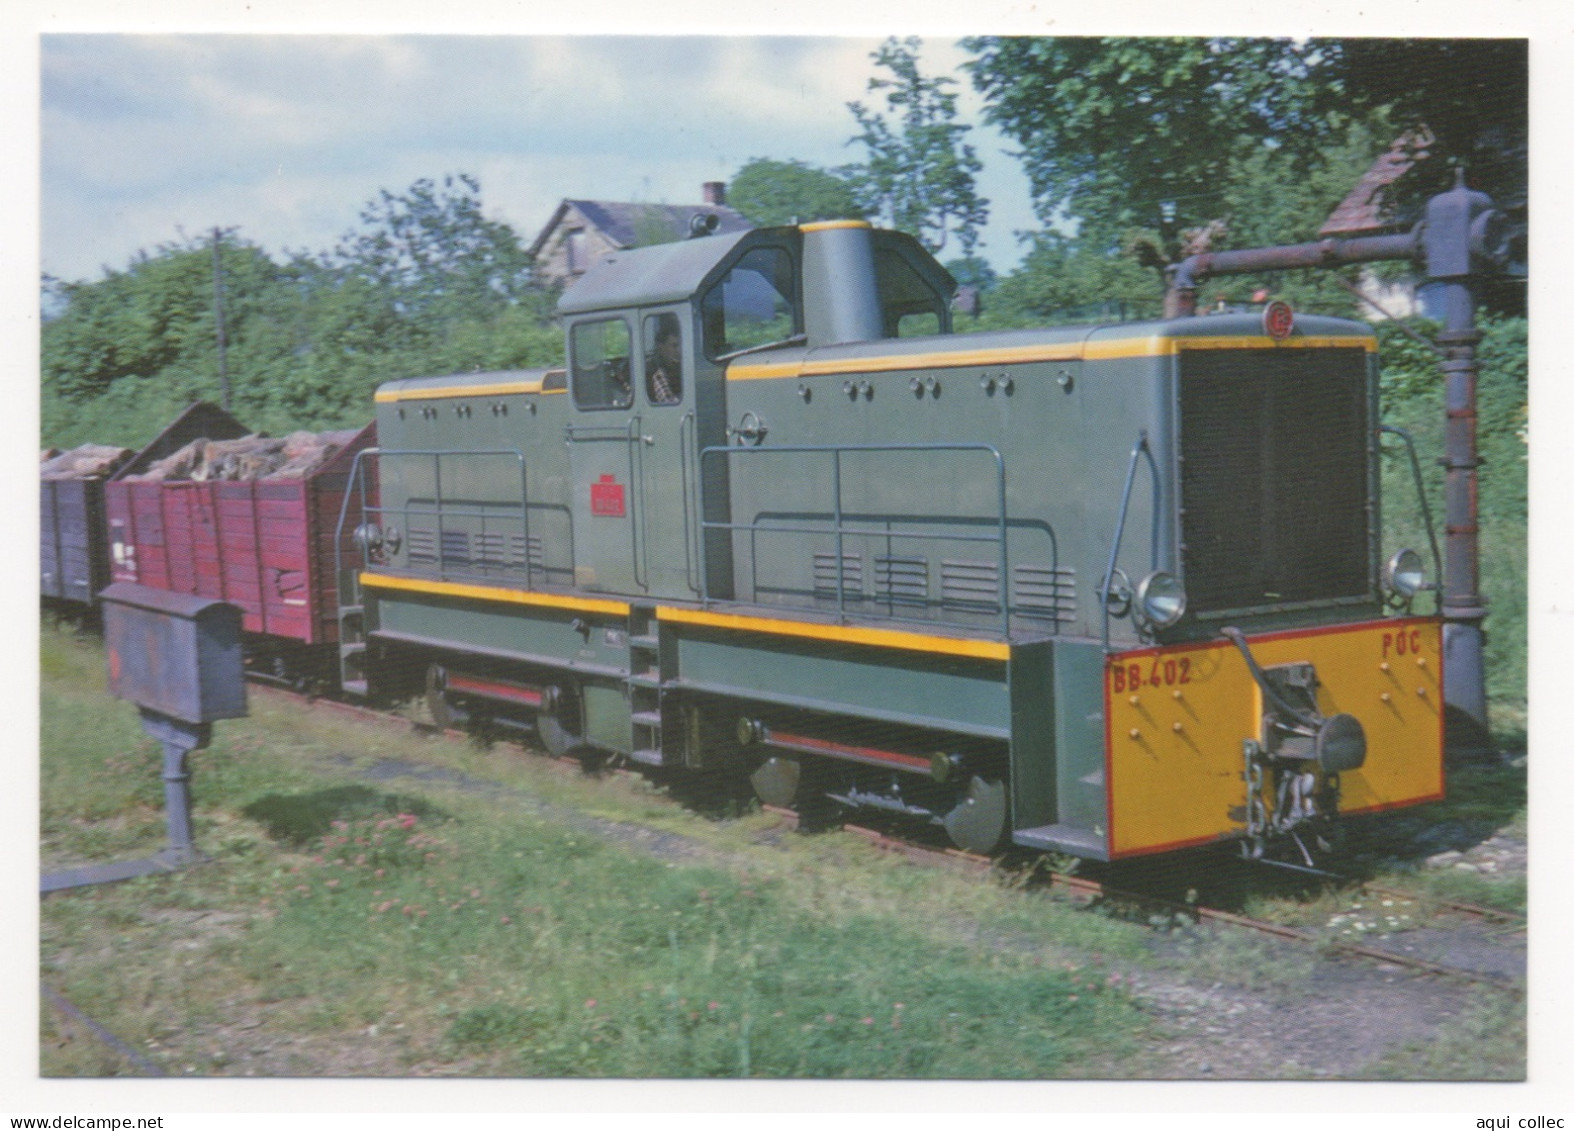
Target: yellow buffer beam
<point>1176,719</point>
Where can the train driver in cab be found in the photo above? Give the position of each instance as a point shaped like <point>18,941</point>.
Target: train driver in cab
<point>664,361</point>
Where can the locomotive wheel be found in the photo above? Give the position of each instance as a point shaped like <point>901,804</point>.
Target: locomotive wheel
<point>776,781</point>
<point>441,708</point>
<point>561,730</point>
<point>978,823</point>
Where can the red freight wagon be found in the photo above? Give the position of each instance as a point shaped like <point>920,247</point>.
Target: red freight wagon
<point>265,545</point>
<point>73,552</point>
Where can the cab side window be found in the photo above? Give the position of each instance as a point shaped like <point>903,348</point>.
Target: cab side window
<point>600,374</point>
<point>908,304</point>
<point>663,346</point>
<point>755,304</point>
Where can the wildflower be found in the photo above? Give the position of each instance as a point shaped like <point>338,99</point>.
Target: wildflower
<point>868,1020</point>
<point>714,1005</point>
<point>590,1003</point>
<point>408,910</point>
<point>475,893</point>
<point>333,883</point>
<point>506,920</point>
<point>378,874</point>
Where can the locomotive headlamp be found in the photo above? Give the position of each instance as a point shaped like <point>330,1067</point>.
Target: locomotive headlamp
<point>1405,575</point>
<point>1162,599</point>
<point>369,537</point>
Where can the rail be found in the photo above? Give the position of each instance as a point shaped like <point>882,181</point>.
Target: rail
<point>843,526</point>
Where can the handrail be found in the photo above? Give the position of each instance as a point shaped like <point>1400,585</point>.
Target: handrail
<point>838,517</point>
<point>1141,448</point>
<point>1426,511</point>
<point>687,430</point>
<point>437,507</point>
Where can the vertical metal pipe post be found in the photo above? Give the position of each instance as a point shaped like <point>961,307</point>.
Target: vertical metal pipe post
<point>218,316</point>
<point>1452,222</point>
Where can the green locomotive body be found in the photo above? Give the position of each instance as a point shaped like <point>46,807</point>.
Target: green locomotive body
<point>1104,590</point>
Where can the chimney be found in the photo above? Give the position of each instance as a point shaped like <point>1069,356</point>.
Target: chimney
<point>715,192</point>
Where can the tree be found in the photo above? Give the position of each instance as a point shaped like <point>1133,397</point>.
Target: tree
<point>1120,132</point>
<point>428,285</point>
<point>972,271</point>
<point>433,251</point>
<point>1471,95</point>
<point>770,192</point>
<point>919,173</point>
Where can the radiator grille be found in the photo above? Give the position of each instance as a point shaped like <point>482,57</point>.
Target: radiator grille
<point>1273,476</point>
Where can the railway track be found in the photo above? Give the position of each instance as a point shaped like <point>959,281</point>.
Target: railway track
<point>1082,888</point>
<point>1090,891</point>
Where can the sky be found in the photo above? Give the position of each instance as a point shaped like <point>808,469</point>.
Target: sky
<point>151,138</point>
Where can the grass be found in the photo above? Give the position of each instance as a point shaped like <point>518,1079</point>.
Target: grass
<point>400,931</point>
<point>1480,1045</point>
<point>358,924</point>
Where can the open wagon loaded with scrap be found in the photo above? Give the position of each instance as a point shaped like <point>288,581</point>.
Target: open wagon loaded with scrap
<point>245,518</point>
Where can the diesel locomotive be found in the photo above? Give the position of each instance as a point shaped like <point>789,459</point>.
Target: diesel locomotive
<point>1104,590</point>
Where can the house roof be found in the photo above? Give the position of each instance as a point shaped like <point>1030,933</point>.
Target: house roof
<point>628,224</point>
<point>1365,209</point>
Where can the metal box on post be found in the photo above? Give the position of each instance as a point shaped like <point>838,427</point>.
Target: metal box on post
<point>178,658</point>
<point>174,654</point>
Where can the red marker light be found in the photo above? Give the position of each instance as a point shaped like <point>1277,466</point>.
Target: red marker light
<point>1278,320</point>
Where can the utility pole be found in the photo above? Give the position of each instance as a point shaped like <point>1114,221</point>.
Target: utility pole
<point>1462,238</point>
<point>218,316</point>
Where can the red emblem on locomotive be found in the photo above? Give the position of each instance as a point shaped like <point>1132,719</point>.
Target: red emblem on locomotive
<point>1278,319</point>
<point>606,498</point>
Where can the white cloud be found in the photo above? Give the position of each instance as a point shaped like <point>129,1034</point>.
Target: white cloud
<point>286,136</point>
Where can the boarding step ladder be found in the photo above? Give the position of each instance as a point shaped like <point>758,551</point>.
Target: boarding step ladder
<point>645,685</point>
<point>352,636</point>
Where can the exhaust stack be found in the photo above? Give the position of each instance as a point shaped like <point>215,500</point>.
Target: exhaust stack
<point>840,297</point>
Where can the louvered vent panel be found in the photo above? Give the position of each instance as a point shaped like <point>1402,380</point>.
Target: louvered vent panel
<point>423,546</point>
<point>491,550</point>
<point>971,585</point>
<point>825,575</point>
<point>456,547</point>
<point>901,581</point>
<point>1043,591</point>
